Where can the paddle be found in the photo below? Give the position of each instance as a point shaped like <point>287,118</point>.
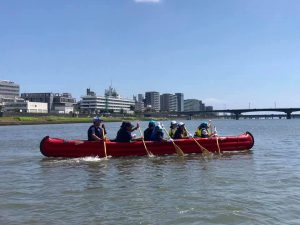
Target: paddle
<point>143,140</point>
<point>104,142</point>
<point>204,150</point>
<point>178,150</point>
<point>217,138</point>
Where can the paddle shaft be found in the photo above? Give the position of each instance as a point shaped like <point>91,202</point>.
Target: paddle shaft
<point>202,148</point>
<point>177,148</point>
<point>143,140</point>
<point>219,149</point>
<point>104,142</point>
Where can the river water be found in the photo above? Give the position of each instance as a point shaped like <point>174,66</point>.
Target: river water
<point>259,187</point>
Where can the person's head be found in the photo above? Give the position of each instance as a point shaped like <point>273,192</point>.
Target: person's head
<point>158,129</point>
<point>173,124</point>
<point>181,125</point>
<point>127,125</point>
<point>151,124</point>
<point>203,125</point>
<point>97,120</point>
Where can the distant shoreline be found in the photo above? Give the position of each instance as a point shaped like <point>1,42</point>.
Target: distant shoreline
<point>10,121</point>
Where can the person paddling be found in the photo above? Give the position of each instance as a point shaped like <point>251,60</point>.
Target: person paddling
<point>203,131</point>
<point>124,133</point>
<point>148,132</point>
<point>158,134</point>
<point>181,131</point>
<point>95,132</point>
<point>173,128</point>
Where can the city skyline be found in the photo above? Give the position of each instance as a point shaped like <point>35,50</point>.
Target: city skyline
<point>232,54</point>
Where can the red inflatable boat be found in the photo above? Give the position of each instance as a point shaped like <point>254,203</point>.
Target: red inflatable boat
<point>56,147</point>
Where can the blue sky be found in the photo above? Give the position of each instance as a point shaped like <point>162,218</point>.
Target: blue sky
<point>226,53</point>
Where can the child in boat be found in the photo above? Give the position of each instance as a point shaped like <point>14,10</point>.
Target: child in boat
<point>148,132</point>
<point>173,128</point>
<point>158,134</point>
<point>95,132</point>
<point>124,134</point>
<point>204,131</point>
<point>181,131</point>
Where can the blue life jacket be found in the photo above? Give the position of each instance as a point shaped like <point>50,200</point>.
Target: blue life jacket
<point>157,135</point>
<point>97,130</point>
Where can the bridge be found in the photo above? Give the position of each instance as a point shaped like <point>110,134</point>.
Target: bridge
<point>236,112</point>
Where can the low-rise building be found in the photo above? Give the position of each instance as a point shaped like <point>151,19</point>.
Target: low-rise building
<point>209,108</point>
<point>111,102</point>
<point>57,103</point>
<point>26,107</point>
<point>191,105</point>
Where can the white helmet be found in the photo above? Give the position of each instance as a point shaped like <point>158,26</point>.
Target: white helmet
<point>173,122</point>
<point>181,124</point>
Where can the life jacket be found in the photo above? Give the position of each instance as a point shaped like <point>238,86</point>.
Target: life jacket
<point>172,132</point>
<point>180,134</point>
<point>201,132</point>
<point>157,136</point>
<point>98,132</point>
<point>197,133</point>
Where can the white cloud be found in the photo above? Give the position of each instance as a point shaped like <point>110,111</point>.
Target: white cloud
<point>147,1</point>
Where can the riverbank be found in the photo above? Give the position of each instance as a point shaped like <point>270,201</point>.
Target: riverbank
<point>23,120</point>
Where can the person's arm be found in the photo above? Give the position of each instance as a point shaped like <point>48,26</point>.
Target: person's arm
<point>137,127</point>
<point>137,139</point>
<point>162,139</point>
<point>95,138</point>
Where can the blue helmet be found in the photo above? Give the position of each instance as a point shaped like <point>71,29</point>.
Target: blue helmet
<point>151,123</point>
<point>204,125</point>
<point>96,119</point>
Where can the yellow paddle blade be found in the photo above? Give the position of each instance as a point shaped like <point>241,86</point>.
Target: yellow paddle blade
<point>178,150</point>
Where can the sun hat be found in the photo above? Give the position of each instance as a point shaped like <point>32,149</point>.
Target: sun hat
<point>126,124</point>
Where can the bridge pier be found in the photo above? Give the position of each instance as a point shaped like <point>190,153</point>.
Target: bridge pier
<point>288,115</point>
<point>237,115</point>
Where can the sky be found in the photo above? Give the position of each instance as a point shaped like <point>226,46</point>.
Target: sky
<point>229,54</point>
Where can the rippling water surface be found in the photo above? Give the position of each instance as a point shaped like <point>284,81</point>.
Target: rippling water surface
<point>259,187</point>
